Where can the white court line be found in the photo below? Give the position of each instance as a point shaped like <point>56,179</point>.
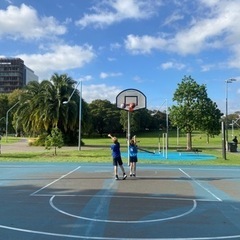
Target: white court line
<point>199,184</point>
<point>126,196</point>
<point>63,176</point>
<point>113,238</point>
<point>127,221</point>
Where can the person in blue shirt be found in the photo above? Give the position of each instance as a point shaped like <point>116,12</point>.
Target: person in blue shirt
<point>117,159</point>
<point>133,150</point>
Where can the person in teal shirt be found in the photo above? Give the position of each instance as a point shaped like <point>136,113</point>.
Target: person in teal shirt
<point>133,150</point>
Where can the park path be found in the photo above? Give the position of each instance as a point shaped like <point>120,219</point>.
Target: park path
<point>23,146</point>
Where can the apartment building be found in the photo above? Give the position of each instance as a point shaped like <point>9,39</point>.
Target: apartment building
<point>14,74</point>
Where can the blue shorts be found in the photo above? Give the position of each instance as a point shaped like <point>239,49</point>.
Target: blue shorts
<point>117,161</point>
<point>133,159</point>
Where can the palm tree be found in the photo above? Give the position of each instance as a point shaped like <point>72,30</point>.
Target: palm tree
<point>41,105</point>
<point>28,112</point>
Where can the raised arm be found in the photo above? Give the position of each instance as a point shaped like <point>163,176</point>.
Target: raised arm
<point>109,135</point>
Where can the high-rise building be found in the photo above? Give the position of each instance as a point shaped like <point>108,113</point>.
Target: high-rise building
<point>14,74</point>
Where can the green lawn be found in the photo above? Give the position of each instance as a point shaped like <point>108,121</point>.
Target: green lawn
<point>97,150</point>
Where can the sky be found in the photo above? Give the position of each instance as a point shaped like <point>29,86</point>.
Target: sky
<point>114,45</point>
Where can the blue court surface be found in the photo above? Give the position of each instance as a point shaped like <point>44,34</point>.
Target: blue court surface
<point>172,156</point>
<point>51,201</point>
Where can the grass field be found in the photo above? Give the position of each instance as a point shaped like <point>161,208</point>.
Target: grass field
<point>97,150</point>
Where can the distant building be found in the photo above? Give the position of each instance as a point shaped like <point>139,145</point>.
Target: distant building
<point>30,75</point>
<point>14,74</point>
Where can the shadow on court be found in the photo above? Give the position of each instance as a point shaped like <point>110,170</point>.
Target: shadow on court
<point>68,201</point>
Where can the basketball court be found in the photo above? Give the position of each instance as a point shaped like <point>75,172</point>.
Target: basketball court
<point>72,201</point>
<point>51,201</point>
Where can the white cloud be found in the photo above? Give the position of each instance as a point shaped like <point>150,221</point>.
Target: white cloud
<point>172,65</point>
<point>144,44</point>
<point>111,11</point>
<point>235,61</point>
<point>104,75</point>
<point>23,22</point>
<point>208,67</point>
<point>111,59</point>
<point>101,91</point>
<point>219,28</point>
<point>210,2</point>
<point>138,79</point>
<point>85,78</point>
<point>173,18</point>
<point>114,46</point>
<point>59,58</point>
<point>8,1</point>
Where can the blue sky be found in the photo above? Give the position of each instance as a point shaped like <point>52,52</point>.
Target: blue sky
<point>113,45</point>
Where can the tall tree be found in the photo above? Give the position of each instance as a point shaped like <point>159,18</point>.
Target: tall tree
<point>41,105</point>
<point>158,120</point>
<point>12,100</point>
<point>105,116</point>
<point>210,118</point>
<point>3,110</point>
<point>192,108</point>
<point>140,120</point>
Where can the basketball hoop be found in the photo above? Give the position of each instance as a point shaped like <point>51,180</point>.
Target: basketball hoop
<point>130,100</point>
<point>132,97</point>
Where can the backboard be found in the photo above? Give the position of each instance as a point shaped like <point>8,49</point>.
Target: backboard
<point>131,97</point>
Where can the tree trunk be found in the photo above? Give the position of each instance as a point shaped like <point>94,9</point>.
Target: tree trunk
<point>207,138</point>
<point>189,141</point>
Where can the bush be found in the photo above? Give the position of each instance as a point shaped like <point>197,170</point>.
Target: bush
<point>39,141</point>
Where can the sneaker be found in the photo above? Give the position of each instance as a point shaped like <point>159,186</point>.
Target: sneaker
<point>116,177</point>
<point>124,176</point>
<point>134,175</point>
<point>130,175</point>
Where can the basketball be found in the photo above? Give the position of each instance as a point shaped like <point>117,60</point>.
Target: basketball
<point>132,105</point>
<point>123,105</point>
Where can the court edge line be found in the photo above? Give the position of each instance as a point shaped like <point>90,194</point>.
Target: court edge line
<point>199,184</point>
<point>111,238</point>
<point>63,176</point>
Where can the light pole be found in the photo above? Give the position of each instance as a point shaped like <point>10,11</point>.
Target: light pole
<point>79,112</point>
<point>223,140</point>
<point>167,120</point>
<point>226,118</point>
<point>232,124</point>
<point>177,136</point>
<point>7,118</point>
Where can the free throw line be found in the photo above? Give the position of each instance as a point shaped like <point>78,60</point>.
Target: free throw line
<point>199,184</point>
<point>63,176</point>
